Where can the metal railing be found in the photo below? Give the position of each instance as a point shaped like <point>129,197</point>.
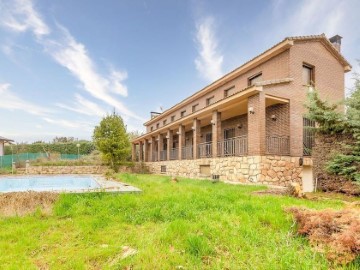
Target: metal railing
<point>155,156</point>
<point>174,153</point>
<point>237,146</point>
<point>278,145</point>
<point>205,150</point>
<point>187,152</point>
<point>163,155</point>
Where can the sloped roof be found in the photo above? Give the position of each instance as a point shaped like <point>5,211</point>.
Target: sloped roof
<point>264,56</point>
<point>322,38</point>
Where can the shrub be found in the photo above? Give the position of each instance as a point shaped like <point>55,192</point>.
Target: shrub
<point>335,233</point>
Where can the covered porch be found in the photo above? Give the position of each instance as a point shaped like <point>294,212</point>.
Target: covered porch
<point>246,123</point>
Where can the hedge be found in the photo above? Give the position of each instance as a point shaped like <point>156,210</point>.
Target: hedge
<point>85,148</point>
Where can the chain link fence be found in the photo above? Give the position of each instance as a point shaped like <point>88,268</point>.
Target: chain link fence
<point>7,160</point>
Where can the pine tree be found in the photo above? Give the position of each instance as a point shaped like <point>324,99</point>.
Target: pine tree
<point>330,121</point>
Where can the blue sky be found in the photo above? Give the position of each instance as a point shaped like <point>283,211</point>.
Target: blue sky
<point>64,64</point>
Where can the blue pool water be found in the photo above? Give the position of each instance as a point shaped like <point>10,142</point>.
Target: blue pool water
<point>47,183</point>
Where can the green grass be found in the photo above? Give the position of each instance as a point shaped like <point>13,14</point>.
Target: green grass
<point>194,224</point>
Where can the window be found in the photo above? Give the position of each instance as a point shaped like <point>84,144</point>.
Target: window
<point>254,79</point>
<point>163,168</point>
<point>230,91</point>
<point>208,137</point>
<point>195,107</point>
<point>152,128</point>
<point>210,101</point>
<point>173,118</point>
<point>229,133</point>
<point>157,125</point>
<point>164,122</point>
<point>182,114</point>
<point>205,170</point>
<point>308,75</point>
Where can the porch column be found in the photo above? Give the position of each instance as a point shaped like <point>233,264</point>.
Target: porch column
<point>169,137</point>
<point>160,145</point>
<point>133,152</point>
<point>256,125</point>
<point>216,132</point>
<point>141,156</point>
<point>152,149</point>
<point>181,133</point>
<point>196,137</point>
<point>146,151</point>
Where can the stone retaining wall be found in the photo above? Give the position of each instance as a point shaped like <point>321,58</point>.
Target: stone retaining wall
<point>269,170</point>
<point>63,170</point>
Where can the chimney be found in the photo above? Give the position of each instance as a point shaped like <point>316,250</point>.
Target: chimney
<point>336,42</point>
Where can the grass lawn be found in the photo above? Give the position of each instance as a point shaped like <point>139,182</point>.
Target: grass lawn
<point>193,224</point>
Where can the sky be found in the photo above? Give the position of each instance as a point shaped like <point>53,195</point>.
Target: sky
<point>65,64</point>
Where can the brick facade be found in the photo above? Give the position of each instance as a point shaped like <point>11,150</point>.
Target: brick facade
<point>262,119</point>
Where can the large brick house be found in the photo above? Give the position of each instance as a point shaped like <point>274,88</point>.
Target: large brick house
<point>248,126</point>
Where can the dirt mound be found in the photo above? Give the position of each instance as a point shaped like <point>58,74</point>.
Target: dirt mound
<point>335,233</point>
<point>22,203</point>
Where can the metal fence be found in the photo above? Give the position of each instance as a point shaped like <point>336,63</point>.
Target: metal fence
<point>7,160</point>
<point>236,146</point>
<point>278,145</point>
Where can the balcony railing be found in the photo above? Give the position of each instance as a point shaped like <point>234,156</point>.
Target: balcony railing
<point>187,152</point>
<point>205,150</point>
<point>163,155</point>
<point>155,156</point>
<point>174,153</point>
<point>278,145</point>
<point>236,146</point>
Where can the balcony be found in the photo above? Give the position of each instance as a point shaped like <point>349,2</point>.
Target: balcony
<point>187,152</point>
<point>237,146</point>
<point>174,153</point>
<point>205,150</point>
<point>163,155</point>
<point>278,145</point>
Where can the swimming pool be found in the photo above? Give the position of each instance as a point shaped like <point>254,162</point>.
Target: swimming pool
<point>68,183</point>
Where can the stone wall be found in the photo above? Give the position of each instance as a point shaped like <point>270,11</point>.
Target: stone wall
<point>269,170</point>
<point>325,147</point>
<point>63,170</point>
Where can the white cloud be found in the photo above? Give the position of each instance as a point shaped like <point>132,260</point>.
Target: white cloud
<point>67,124</point>
<point>20,16</point>
<point>11,101</point>
<point>84,106</point>
<point>73,56</point>
<point>209,62</point>
<point>322,16</point>
<point>69,53</point>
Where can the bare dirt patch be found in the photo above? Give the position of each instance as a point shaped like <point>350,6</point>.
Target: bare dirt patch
<point>335,233</point>
<point>22,203</point>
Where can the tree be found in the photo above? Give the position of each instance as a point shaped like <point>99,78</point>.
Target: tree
<point>330,121</point>
<point>112,141</point>
<point>348,164</point>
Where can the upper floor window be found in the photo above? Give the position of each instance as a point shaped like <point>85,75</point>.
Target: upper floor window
<point>308,74</point>
<point>182,114</point>
<point>152,128</point>
<point>254,79</point>
<point>164,122</point>
<point>210,100</point>
<point>173,118</point>
<point>157,125</point>
<point>195,107</point>
<point>229,91</point>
